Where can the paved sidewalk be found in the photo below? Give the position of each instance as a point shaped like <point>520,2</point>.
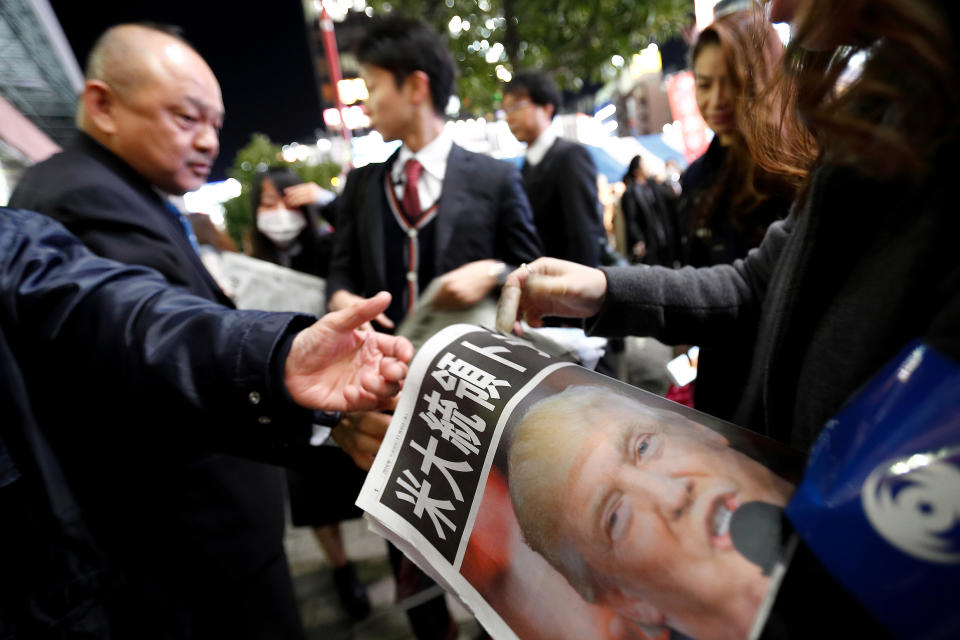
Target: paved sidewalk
<point>313,583</point>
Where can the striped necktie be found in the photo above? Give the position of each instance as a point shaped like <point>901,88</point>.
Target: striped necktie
<point>183,222</point>
<point>411,195</point>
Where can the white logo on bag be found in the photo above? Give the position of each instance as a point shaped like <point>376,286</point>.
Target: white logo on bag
<point>914,504</point>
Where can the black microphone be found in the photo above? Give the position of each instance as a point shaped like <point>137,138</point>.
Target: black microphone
<point>755,529</point>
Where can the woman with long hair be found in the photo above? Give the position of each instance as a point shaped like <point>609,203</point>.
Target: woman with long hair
<point>727,200</point>
<point>867,261</point>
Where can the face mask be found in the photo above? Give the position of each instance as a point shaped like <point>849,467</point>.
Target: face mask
<point>282,226</point>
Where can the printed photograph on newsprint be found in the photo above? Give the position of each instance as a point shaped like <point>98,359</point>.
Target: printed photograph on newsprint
<point>556,502</point>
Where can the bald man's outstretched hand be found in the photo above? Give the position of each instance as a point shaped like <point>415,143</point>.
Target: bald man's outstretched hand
<point>334,366</point>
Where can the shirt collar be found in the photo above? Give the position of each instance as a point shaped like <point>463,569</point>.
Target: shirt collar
<point>169,200</point>
<point>540,146</point>
<point>433,157</point>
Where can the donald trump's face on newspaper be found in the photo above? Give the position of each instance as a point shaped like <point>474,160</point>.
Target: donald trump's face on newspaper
<point>633,506</point>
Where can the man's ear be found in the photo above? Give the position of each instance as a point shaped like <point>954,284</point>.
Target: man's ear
<point>632,608</point>
<point>99,104</point>
<point>418,85</point>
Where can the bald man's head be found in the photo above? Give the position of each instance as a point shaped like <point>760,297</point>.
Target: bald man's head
<point>153,101</point>
<point>118,56</point>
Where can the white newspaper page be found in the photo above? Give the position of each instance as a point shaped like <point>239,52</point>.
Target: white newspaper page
<point>555,502</point>
<point>258,284</point>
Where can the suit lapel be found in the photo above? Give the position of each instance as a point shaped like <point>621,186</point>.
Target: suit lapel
<point>176,234</point>
<point>452,195</point>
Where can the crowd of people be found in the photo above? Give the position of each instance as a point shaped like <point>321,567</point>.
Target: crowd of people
<point>809,244</point>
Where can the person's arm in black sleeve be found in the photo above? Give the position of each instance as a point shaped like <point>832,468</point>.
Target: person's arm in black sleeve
<point>517,240</point>
<point>345,262</point>
<point>579,207</point>
<point>632,219</point>
<point>689,306</point>
<point>139,336</point>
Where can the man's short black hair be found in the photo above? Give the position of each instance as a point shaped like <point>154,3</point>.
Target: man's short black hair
<point>536,85</point>
<point>403,45</point>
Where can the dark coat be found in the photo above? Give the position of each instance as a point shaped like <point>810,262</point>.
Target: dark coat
<point>212,518</point>
<point>711,232</point>
<point>482,213</point>
<point>649,213</point>
<point>72,321</point>
<point>116,213</point>
<point>562,189</point>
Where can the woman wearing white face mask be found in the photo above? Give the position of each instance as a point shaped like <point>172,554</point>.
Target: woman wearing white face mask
<point>290,228</point>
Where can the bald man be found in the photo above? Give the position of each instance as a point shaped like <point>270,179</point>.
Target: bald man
<point>149,119</point>
<point>192,535</point>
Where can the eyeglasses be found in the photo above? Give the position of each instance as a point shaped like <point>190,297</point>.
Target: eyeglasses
<point>523,104</point>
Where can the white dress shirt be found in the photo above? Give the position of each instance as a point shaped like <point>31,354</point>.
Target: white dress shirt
<point>433,158</point>
<point>540,146</point>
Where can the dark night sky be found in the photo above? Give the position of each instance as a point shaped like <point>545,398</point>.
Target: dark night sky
<point>261,57</point>
<point>259,52</point>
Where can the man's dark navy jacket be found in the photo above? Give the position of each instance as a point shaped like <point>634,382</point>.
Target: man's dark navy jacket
<point>93,509</point>
<point>180,486</point>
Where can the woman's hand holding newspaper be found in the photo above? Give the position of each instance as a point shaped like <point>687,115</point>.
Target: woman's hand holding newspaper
<point>551,287</point>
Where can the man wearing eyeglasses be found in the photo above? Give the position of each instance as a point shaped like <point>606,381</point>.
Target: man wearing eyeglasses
<point>559,175</point>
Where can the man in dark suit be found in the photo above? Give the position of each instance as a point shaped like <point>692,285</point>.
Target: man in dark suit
<point>432,210</point>
<point>560,179</point>
<point>559,175</point>
<point>193,535</point>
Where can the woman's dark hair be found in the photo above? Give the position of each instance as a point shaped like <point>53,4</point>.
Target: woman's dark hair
<point>753,54</point>
<point>895,117</point>
<point>636,162</point>
<point>401,46</point>
<point>536,85</point>
<point>281,177</point>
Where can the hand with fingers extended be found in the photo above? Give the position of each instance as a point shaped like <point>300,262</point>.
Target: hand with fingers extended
<point>335,366</point>
<point>360,435</point>
<point>551,287</point>
<point>342,299</point>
